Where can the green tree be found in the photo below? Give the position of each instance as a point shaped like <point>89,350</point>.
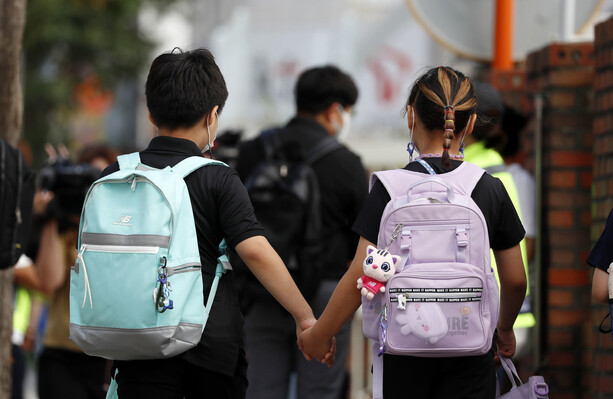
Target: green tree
<point>66,42</point>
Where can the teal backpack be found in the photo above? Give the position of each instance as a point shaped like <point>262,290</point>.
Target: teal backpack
<point>136,289</point>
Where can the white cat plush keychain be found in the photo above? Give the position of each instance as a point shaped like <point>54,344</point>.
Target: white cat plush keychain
<point>379,266</point>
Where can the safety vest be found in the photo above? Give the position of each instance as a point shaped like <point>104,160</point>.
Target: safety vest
<point>487,158</point>
<point>21,314</point>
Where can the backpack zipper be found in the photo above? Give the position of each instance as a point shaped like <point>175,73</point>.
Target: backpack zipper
<point>122,248</point>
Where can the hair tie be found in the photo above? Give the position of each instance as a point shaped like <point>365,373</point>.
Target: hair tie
<point>449,120</point>
<point>445,149</point>
<point>448,106</point>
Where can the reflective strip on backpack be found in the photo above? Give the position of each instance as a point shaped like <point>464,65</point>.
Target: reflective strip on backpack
<point>148,240</point>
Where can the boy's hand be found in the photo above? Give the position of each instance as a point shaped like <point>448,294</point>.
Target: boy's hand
<point>315,347</point>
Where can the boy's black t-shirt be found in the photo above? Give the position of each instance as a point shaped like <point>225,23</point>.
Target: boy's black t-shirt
<point>222,209</point>
<point>503,224</point>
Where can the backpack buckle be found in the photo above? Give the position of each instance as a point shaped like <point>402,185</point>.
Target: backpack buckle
<point>406,240</point>
<point>461,237</point>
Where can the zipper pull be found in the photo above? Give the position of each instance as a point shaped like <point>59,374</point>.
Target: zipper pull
<point>79,259</point>
<point>133,187</point>
<point>402,301</point>
<point>383,325</point>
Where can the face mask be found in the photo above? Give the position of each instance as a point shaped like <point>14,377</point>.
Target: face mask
<point>209,146</point>
<point>342,132</point>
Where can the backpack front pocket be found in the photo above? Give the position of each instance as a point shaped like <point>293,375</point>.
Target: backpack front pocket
<point>438,308</point>
<point>114,301</point>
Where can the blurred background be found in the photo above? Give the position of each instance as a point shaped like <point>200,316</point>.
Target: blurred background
<point>86,61</point>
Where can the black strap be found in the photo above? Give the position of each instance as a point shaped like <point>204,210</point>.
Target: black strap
<point>321,149</point>
<point>271,142</point>
<point>601,328</point>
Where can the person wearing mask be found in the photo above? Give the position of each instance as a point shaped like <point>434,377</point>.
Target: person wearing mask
<point>441,110</point>
<point>325,98</point>
<point>185,93</point>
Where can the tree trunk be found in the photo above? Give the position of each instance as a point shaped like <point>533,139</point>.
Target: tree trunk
<point>12,22</point>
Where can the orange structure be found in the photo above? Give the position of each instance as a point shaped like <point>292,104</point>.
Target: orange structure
<point>503,35</point>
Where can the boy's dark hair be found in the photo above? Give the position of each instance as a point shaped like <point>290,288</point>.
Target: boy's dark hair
<point>183,86</point>
<point>318,88</point>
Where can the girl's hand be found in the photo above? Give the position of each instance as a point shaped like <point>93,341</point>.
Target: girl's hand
<point>506,344</point>
<point>319,348</point>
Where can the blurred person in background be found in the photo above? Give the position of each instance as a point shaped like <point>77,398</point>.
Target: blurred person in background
<point>324,98</point>
<point>480,149</point>
<point>600,258</point>
<point>64,371</point>
<point>24,274</point>
<point>512,151</point>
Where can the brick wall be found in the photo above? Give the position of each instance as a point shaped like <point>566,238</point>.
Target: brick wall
<point>598,359</point>
<point>563,75</point>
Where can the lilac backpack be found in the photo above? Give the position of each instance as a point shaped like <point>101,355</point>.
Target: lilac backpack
<point>443,300</point>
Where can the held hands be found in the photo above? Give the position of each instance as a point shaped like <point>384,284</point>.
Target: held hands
<point>316,347</point>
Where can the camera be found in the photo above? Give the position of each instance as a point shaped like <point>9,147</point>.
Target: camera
<point>69,183</point>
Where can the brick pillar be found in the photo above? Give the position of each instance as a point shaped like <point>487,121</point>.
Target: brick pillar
<point>563,74</point>
<point>599,347</point>
<point>511,85</point>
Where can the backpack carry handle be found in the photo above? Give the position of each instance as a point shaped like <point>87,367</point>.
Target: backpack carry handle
<point>128,161</point>
<point>431,180</point>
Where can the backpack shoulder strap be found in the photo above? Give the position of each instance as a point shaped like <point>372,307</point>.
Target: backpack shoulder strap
<point>270,141</point>
<point>321,149</point>
<point>128,161</point>
<point>190,164</point>
<point>464,178</point>
<point>396,181</point>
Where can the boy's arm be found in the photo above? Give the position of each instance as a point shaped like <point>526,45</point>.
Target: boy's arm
<point>269,269</point>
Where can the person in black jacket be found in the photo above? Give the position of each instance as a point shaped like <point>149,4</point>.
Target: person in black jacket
<point>325,97</point>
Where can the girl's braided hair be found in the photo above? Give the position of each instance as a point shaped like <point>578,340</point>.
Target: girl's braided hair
<point>443,97</point>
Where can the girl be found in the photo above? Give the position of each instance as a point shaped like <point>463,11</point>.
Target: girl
<point>441,111</point>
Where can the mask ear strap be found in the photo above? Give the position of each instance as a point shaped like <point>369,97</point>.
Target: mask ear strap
<point>208,130</point>
<point>462,142</point>
<point>411,145</point>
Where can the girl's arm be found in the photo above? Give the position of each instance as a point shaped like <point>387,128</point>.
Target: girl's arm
<point>344,302</point>
<point>512,293</point>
